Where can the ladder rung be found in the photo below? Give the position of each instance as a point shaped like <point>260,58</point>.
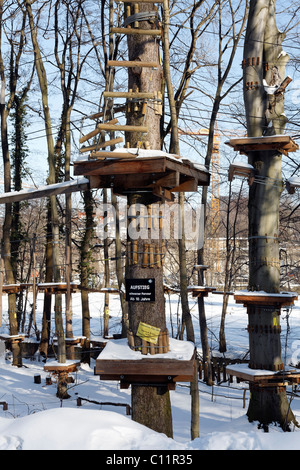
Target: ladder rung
<point>140,32</point>
<point>88,136</point>
<point>128,94</point>
<point>131,63</point>
<point>112,155</point>
<point>110,127</point>
<point>100,145</point>
<point>95,132</point>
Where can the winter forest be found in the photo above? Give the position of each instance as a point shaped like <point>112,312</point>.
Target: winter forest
<point>150,220</point>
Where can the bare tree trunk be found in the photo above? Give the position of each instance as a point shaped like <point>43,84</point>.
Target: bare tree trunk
<point>150,405</point>
<point>106,273</point>
<point>85,267</point>
<point>175,148</point>
<point>265,117</point>
<point>41,72</point>
<point>119,268</point>
<point>219,96</point>
<point>46,321</point>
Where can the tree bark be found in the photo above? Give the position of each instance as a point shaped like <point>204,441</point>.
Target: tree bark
<point>85,267</point>
<point>264,117</point>
<point>150,405</point>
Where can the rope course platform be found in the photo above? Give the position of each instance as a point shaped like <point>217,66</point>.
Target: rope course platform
<point>264,378</point>
<point>282,299</point>
<point>61,367</point>
<point>15,288</point>
<point>244,170</point>
<point>283,143</point>
<point>57,287</point>
<point>161,175</point>
<point>201,291</point>
<point>12,338</point>
<point>130,367</point>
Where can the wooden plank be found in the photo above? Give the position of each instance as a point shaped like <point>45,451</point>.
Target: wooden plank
<point>119,167</point>
<point>131,63</point>
<point>190,185</point>
<point>139,32</point>
<point>128,95</point>
<point>67,187</point>
<point>265,299</point>
<point>260,140</point>
<point>144,367</point>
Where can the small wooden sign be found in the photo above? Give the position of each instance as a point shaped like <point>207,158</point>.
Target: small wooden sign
<point>140,290</point>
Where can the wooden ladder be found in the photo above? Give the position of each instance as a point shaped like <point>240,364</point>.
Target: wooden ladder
<point>95,141</point>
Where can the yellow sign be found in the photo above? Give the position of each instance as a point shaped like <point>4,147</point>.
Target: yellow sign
<point>148,332</point>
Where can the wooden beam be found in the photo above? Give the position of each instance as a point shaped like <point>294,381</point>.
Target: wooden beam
<point>90,135</point>
<point>131,63</point>
<point>128,95</point>
<point>104,154</point>
<point>169,180</point>
<point>66,187</point>
<point>187,186</point>
<point>100,145</point>
<point>139,32</point>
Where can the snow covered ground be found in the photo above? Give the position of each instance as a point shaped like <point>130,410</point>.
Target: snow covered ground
<point>36,419</point>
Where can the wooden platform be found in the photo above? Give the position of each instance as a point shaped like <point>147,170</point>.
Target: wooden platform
<point>57,367</point>
<point>75,340</point>
<point>57,287</point>
<point>150,372</point>
<point>160,175</point>
<point>264,378</point>
<point>283,143</point>
<point>12,338</point>
<point>201,291</point>
<point>145,371</point>
<point>283,299</point>
<point>241,169</point>
<point>15,288</point>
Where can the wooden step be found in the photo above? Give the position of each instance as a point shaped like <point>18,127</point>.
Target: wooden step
<point>128,95</point>
<point>140,32</point>
<point>103,155</point>
<point>100,145</point>
<point>131,63</point>
<point>118,127</point>
<point>95,132</point>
